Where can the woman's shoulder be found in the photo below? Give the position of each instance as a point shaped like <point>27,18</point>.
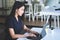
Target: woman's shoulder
<point>9,18</point>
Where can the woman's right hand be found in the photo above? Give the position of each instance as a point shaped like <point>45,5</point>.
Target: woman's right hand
<point>30,35</point>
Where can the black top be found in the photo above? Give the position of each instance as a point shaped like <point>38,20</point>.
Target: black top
<point>16,25</point>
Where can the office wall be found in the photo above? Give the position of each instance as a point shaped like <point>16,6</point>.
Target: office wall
<point>7,4</point>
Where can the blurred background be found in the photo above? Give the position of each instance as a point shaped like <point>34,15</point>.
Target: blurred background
<point>29,17</point>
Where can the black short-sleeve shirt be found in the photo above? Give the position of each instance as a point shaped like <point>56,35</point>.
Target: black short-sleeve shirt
<point>16,25</point>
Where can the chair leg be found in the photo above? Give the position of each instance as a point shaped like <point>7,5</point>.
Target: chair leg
<point>32,17</point>
<point>44,18</point>
<point>29,18</point>
<point>41,18</point>
<point>55,22</point>
<point>37,18</point>
<point>58,20</point>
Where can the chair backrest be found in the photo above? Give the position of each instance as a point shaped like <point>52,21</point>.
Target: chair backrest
<point>29,8</point>
<point>37,8</point>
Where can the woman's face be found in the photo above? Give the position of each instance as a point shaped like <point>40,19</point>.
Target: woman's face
<point>20,11</point>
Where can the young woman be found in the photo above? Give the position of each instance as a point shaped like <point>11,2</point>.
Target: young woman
<point>15,25</point>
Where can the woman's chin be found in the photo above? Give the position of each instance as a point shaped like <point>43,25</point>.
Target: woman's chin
<point>20,15</point>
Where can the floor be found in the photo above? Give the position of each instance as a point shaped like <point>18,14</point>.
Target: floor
<point>35,23</point>
<point>38,23</point>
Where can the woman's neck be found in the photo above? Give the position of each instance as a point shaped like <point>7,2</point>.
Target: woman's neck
<point>16,16</point>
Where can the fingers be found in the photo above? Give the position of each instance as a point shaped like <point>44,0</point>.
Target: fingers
<point>32,35</point>
<point>35,32</point>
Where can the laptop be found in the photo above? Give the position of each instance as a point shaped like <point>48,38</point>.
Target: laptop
<point>43,32</point>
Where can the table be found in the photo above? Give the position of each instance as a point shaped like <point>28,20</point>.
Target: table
<point>51,34</point>
<point>54,35</point>
<point>48,11</point>
<point>53,13</point>
<point>34,29</point>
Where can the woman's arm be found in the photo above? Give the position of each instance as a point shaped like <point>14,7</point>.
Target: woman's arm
<point>13,35</point>
<point>26,28</point>
<point>29,30</point>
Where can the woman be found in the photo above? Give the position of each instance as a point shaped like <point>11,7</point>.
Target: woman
<point>15,25</point>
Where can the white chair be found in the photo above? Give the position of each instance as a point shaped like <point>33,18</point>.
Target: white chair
<point>29,10</point>
<point>45,16</point>
<point>56,23</point>
<point>37,11</point>
<point>55,15</point>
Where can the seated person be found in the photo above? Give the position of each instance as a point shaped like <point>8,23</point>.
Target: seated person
<point>14,24</point>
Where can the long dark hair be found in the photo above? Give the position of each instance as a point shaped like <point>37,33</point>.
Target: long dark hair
<point>16,5</point>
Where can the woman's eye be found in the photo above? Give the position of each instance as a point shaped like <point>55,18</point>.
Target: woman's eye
<point>23,9</point>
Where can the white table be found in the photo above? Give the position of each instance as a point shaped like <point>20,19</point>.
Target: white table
<point>47,11</point>
<point>54,35</point>
<point>53,13</point>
